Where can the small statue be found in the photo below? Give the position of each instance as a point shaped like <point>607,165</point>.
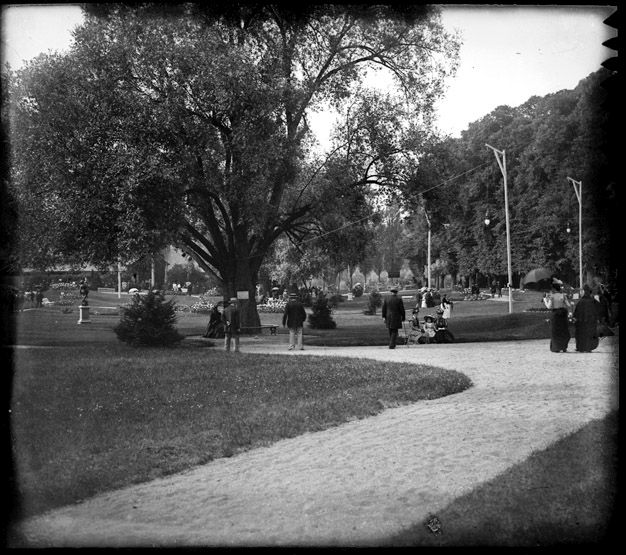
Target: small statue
<point>84,291</point>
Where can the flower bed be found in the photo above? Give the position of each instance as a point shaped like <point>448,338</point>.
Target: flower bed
<point>203,306</point>
<point>272,305</point>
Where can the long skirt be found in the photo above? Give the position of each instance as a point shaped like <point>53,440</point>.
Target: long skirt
<point>560,336</point>
<point>586,336</point>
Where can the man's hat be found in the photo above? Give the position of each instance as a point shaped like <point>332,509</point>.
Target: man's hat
<point>429,317</point>
<point>393,290</point>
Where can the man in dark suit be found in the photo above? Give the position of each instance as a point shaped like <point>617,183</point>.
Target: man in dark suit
<point>294,317</point>
<point>232,324</point>
<point>393,314</point>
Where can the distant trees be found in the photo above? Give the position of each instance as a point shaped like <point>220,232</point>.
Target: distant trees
<point>546,139</point>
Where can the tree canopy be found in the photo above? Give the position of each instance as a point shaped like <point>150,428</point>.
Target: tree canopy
<point>546,140</point>
<point>188,125</point>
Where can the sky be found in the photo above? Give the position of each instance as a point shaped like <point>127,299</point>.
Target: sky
<point>509,53</point>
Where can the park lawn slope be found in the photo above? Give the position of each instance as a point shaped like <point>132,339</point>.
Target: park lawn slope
<point>90,419</point>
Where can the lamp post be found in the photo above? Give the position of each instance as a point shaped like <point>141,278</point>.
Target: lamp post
<point>502,164</point>
<point>119,278</point>
<point>428,222</point>
<point>578,189</point>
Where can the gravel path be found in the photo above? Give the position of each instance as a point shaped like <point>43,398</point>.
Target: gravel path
<point>366,479</point>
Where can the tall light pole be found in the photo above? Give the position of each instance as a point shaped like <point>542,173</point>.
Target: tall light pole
<point>428,222</point>
<point>502,164</point>
<point>578,189</point>
<point>119,278</point>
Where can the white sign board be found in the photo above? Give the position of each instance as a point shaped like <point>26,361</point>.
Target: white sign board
<point>242,295</point>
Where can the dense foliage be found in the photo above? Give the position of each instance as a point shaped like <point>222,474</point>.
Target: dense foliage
<point>546,140</point>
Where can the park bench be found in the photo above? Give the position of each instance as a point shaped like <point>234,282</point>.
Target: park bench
<point>272,327</point>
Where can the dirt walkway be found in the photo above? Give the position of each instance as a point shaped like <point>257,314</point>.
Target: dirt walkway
<point>367,479</point>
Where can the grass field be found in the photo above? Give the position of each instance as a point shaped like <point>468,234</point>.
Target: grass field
<point>91,414</point>
<point>486,320</point>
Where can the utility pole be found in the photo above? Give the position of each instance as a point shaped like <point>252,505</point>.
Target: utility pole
<point>502,164</point>
<point>578,189</point>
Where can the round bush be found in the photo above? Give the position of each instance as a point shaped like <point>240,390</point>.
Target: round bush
<point>149,320</point>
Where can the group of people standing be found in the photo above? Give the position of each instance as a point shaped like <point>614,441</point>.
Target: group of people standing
<point>34,298</point>
<point>586,315</point>
<point>225,321</point>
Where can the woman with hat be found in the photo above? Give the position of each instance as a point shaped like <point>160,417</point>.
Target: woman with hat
<point>442,333</point>
<point>561,309</point>
<point>430,329</point>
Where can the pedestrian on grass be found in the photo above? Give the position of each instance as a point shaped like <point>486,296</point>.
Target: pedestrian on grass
<point>586,321</point>
<point>561,311</point>
<point>232,324</point>
<point>394,315</point>
<point>294,317</point>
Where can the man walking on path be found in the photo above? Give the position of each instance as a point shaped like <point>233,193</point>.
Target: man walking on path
<point>232,324</point>
<point>393,314</point>
<point>294,317</point>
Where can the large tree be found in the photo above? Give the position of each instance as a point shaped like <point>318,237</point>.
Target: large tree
<point>189,124</point>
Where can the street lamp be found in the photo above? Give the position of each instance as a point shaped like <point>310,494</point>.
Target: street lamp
<point>578,189</point>
<point>428,222</point>
<point>502,164</point>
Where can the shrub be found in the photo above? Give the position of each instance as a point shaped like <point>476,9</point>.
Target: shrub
<point>149,320</point>
<point>357,290</point>
<point>321,317</point>
<point>374,301</point>
<point>335,300</point>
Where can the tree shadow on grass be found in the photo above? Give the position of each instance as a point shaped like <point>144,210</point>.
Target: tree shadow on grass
<point>563,495</point>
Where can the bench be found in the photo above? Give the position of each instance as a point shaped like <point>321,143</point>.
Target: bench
<point>273,328</point>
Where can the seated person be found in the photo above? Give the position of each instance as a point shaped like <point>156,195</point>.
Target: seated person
<point>429,329</point>
<point>442,333</point>
<point>215,327</point>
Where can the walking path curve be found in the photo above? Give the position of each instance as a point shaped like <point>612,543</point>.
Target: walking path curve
<point>366,479</point>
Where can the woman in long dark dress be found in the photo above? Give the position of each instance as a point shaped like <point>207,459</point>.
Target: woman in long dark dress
<point>586,317</point>
<point>215,328</point>
<point>561,307</point>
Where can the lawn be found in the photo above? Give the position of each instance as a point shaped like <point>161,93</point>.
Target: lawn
<point>90,414</point>
<point>486,320</point>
